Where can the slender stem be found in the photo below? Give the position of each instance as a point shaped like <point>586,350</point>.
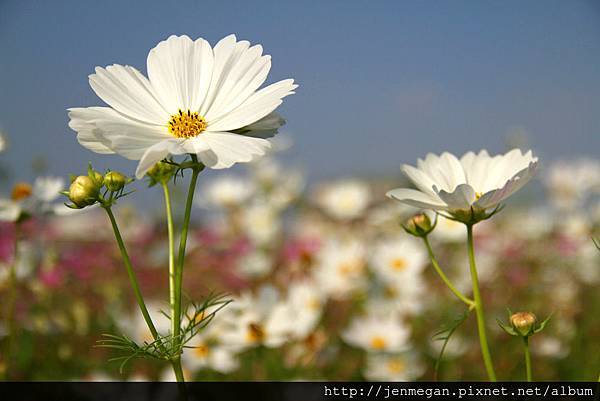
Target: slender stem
<point>131,273</point>
<point>485,351</point>
<point>527,359</point>
<point>171,234</point>
<point>444,278</point>
<point>181,257</point>
<point>175,362</point>
<point>12,298</point>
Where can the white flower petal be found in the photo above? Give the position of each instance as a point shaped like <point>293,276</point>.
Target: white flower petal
<point>9,210</point>
<point>80,122</point>
<point>461,198</point>
<point>243,79</point>
<point>420,179</point>
<point>181,70</point>
<point>416,198</point>
<point>229,148</point>
<point>126,90</point>
<point>156,153</point>
<point>226,53</point>
<point>256,107</point>
<point>122,135</point>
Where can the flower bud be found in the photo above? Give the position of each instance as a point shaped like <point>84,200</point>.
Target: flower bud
<point>114,181</point>
<point>84,191</point>
<point>97,177</point>
<point>161,172</point>
<point>419,225</point>
<point>523,323</point>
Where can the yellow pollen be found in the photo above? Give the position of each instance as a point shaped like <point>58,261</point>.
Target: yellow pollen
<point>396,366</point>
<point>378,342</point>
<point>478,195</point>
<point>21,191</point>
<point>201,351</point>
<point>186,124</point>
<point>255,333</point>
<point>399,264</point>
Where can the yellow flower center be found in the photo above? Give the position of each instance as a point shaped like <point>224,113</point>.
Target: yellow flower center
<point>21,191</point>
<point>201,351</point>
<point>399,264</point>
<point>396,366</point>
<point>255,333</point>
<point>186,124</point>
<point>478,195</point>
<point>378,342</point>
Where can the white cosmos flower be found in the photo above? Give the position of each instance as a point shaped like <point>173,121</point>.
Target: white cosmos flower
<point>400,367</point>
<point>476,182</point>
<point>34,200</point>
<point>344,199</point>
<point>197,99</point>
<point>378,333</point>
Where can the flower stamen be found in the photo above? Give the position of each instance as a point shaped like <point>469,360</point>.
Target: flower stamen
<point>186,124</point>
<point>21,191</point>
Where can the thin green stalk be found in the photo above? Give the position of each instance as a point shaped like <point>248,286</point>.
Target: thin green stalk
<point>485,351</point>
<point>527,359</point>
<point>12,298</point>
<point>175,316</point>
<point>181,257</point>
<point>444,278</point>
<point>132,278</point>
<point>171,234</point>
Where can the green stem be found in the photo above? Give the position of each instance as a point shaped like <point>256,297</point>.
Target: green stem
<point>11,302</point>
<point>527,359</point>
<point>485,351</point>
<point>445,279</point>
<point>131,274</point>
<point>181,257</point>
<point>171,234</point>
<point>175,362</point>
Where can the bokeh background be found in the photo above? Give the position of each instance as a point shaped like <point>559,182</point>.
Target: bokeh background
<point>324,283</point>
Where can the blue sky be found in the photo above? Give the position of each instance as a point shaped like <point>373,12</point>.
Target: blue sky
<point>381,82</point>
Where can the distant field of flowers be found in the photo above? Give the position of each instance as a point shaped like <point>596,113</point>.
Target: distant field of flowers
<point>258,275</point>
<point>323,283</point>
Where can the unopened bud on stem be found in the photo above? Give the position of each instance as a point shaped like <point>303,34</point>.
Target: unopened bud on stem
<point>114,181</point>
<point>523,323</point>
<point>419,225</point>
<point>84,191</point>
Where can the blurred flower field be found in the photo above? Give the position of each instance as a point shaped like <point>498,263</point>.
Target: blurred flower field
<point>319,281</point>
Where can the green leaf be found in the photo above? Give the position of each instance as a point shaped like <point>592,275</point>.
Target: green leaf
<point>444,335</point>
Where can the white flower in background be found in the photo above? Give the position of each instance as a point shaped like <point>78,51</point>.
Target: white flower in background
<point>571,183</point>
<point>197,99</point>
<point>447,230</point>
<point>476,182</point>
<point>344,199</point>
<point>340,268</point>
<point>306,303</point>
<point>36,200</point>
<point>228,191</point>
<point>406,296</point>
<point>398,259</point>
<point>207,349</point>
<point>27,259</point>
<point>401,367</point>
<point>377,333</point>
<point>252,320</point>
<point>260,222</point>
<point>256,264</point>
<point>587,264</point>
<point>279,186</point>
<point>136,327</point>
